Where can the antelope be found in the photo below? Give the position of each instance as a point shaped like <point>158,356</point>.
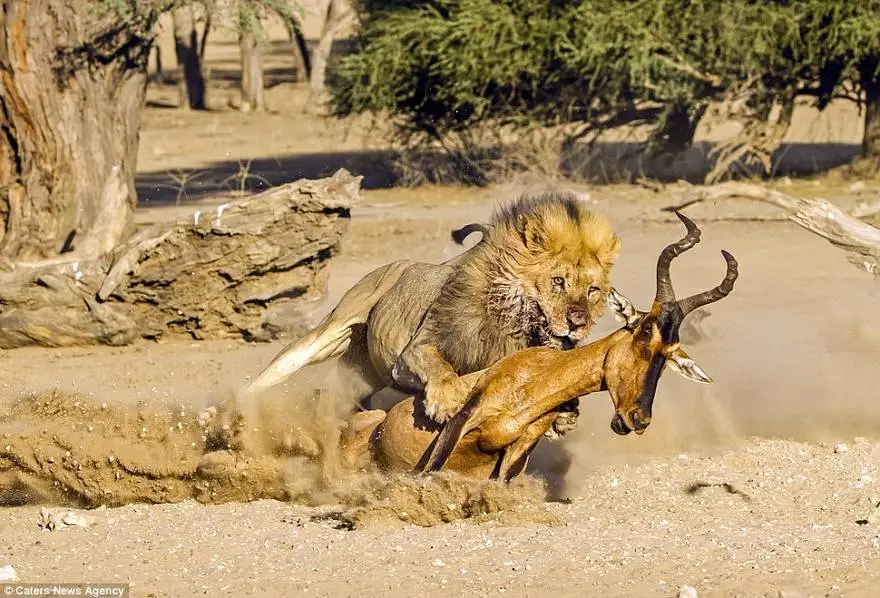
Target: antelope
<point>513,403</point>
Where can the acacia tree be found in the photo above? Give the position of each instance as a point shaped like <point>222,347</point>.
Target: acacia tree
<point>72,82</point>
<point>842,46</point>
<point>444,68</point>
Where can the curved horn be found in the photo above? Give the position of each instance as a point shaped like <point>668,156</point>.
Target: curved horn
<point>720,292</point>
<point>665,294</point>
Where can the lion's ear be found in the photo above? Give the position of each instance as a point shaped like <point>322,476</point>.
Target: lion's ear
<point>608,253</point>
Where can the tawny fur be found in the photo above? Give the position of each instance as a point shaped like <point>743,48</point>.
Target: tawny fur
<point>421,326</point>
<point>514,402</point>
<point>488,309</point>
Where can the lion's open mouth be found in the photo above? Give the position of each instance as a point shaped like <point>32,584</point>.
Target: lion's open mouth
<point>540,331</point>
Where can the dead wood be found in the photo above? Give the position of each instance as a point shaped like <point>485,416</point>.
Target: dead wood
<point>859,239</point>
<point>234,271</point>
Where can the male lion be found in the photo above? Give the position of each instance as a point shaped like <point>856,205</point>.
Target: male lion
<point>540,276</point>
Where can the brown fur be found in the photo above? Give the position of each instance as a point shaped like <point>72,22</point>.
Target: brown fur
<point>539,276</point>
<point>513,403</point>
<point>503,298</point>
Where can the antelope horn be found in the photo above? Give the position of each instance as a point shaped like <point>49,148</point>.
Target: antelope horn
<point>665,294</point>
<point>720,292</point>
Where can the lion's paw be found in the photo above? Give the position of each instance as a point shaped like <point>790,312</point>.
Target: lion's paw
<point>565,422</point>
<point>444,398</point>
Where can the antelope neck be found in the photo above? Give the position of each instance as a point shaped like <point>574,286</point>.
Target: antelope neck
<point>589,363</point>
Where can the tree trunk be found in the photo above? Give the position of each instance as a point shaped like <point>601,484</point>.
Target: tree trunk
<point>335,15</point>
<point>247,269</point>
<point>186,47</point>
<point>71,89</point>
<point>677,129</point>
<point>871,139</point>
<point>301,63</point>
<point>251,73</point>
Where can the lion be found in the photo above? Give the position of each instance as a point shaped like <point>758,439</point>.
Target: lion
<point>540,276</point>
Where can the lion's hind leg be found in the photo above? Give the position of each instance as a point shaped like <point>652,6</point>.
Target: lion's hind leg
<point>333,335</point>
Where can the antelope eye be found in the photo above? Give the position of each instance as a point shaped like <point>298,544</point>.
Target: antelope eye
<point>558,281</point>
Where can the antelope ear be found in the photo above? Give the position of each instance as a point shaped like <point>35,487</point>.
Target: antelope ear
<point>681,362</point>
<point>623,309</point>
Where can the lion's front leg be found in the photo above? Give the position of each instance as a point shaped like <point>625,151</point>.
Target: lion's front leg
<point>421,368</point>
<point>566,419</point>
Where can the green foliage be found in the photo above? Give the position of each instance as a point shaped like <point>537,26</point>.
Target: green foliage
<point>441,67</point>
<point>241,16</point>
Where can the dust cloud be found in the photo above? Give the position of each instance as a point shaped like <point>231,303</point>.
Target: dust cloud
<point>61,448</point>
<point>794,351</point>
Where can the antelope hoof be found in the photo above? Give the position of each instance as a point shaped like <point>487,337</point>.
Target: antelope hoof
<point>619,426</point>
<point>443,399</point>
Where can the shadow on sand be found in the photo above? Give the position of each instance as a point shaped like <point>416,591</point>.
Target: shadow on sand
<point>607,163</point>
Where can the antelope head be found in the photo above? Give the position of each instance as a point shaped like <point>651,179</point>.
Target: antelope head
<point>649,340</point>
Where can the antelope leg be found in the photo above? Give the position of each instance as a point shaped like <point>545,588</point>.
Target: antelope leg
<point>506,429</point>
<point>516,456</point>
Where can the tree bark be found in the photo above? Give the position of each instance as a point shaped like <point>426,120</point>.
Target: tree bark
<point>247,269</point>
<point>335,15</point>
<point>188,51</point>
<point>676,134</point>
<point>251,73</point>
<point>72,85</point>
<point>301,63</point>
<point>871,139</point>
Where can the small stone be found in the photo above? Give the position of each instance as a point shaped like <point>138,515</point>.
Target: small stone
<point>874,517</point>
<point>7,574</point>
<point>686,592</point>
<point>840,448</point>
<point>438,563</point>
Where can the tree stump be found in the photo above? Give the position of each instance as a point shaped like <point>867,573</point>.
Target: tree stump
<point>226,273</point>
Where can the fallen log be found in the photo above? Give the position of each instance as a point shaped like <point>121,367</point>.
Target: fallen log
<point>225,273</point>
<point>859,239</point>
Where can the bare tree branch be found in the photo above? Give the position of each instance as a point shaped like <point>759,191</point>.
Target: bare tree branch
<point>859,239</point>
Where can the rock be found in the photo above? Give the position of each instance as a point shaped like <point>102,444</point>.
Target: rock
<point>8,574</point>
<point>56,520</point>
<point>840,448</point>
<point>686,592</point>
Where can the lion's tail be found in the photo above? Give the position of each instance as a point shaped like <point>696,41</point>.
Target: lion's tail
<point>460,234</point>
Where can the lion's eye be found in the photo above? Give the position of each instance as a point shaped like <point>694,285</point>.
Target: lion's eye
<point>592,291</point>
<point>558,281</point>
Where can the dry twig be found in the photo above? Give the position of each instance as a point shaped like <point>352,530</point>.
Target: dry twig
<point>859,239</point>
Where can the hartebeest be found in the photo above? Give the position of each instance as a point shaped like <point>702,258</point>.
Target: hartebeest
<point>513,403</point>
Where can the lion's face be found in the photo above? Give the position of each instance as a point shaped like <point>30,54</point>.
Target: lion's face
<point>569,296</point>
<point>564,271</point>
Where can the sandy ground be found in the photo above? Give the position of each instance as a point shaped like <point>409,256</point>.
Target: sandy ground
<point>743,488</point>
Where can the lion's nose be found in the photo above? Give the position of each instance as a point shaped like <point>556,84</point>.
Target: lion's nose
<point>577,316</point>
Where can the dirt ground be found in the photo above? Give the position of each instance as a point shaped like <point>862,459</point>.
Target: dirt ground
<point>758,485</point>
